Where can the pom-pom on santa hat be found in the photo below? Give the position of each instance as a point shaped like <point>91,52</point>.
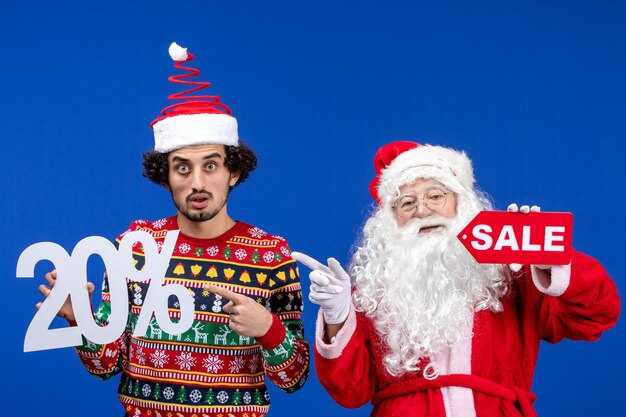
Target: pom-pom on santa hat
<point>197,119</point>
<point>398,163</point>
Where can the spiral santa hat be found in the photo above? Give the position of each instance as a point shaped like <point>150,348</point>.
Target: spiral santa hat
<point>401,162</point>
<point>196,119</point>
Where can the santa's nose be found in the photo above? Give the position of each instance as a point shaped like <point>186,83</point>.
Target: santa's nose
<point>421,210</point>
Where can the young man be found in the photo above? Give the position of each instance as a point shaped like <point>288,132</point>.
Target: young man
<point>245,286</point>
<point>425,330</point>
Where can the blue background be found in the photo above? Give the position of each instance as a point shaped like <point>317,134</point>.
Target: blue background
<point>534,92</point>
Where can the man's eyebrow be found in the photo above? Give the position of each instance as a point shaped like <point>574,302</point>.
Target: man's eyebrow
<point>179,159</point>
<point>214,155</point>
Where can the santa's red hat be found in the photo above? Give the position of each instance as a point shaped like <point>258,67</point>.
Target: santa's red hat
<point>196,119</point>
<point>401,162</point>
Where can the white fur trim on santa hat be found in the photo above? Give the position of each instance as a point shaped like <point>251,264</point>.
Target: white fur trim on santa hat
<point>442,163</point>
<point>194,129</point>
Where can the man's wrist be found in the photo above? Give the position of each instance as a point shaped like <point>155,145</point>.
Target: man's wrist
<point>274,335</point>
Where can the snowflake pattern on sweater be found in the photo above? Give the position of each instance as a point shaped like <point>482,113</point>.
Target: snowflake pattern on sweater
<point>208,370</point>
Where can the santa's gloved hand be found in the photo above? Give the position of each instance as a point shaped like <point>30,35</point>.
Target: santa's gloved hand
<point>524,209</point>
<point>330,287</point>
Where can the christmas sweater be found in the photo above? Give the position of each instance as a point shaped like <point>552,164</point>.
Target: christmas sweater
<point>209,370</point>
<point>489,371</point>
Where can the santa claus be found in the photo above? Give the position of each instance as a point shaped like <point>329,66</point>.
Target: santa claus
<point>418,327</point>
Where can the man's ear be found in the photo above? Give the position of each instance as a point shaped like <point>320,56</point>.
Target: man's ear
<point>166,186</point>
<point>234,177</point>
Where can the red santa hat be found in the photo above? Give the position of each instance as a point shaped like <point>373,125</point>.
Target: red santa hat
<point>401,162</point>
<point>196,119</point>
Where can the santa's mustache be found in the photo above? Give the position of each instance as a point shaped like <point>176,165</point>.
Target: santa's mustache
<point>434,223</point>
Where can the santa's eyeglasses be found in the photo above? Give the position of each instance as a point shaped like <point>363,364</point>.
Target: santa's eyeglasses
<point>406,205</point>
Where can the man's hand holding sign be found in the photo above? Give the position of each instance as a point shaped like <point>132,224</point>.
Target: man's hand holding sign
<point>69,296</point>
<point>66,311</point>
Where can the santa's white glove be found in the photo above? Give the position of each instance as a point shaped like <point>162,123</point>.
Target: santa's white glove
<point>330,287</point>
<point>524,209</point>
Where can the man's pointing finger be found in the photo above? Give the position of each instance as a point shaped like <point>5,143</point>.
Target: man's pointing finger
<point>232,296</point>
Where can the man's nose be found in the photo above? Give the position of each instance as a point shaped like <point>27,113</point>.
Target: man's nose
<point>197,179</point>
<point>421,210</point>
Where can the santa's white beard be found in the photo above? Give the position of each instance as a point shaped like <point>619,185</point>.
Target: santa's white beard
<point>420,289</point>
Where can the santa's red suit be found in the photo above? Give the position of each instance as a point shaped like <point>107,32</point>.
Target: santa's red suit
<point>488,373</point>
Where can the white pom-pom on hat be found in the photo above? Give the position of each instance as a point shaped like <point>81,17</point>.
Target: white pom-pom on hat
<point>177,52</point>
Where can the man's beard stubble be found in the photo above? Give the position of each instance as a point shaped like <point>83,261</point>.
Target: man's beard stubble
<point>199,216</point>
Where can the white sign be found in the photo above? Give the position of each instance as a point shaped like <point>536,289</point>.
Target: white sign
<point>119,263</point>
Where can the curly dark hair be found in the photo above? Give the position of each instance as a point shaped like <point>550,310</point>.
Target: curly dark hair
<point>240,159</point>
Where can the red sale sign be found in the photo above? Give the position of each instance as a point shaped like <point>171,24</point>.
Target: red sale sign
<point>502,237</point>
